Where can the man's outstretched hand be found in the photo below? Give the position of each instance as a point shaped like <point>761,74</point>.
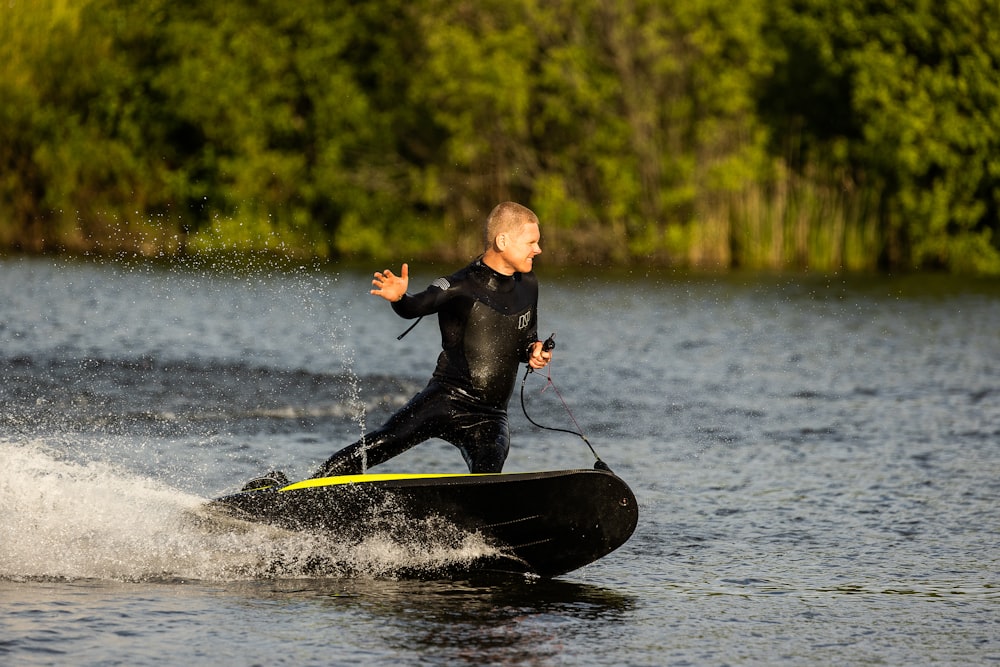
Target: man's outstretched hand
<point>389,286</point>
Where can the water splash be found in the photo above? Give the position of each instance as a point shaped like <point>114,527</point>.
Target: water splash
<point>69,521</point>
<point>341,334</point>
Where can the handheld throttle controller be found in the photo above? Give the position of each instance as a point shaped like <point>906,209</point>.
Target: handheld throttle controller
<point>547,346</point>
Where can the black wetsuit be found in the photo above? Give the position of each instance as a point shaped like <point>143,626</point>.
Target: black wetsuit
<point>488,326</point>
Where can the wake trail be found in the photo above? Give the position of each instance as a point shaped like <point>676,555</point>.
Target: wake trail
<point>67,520</point>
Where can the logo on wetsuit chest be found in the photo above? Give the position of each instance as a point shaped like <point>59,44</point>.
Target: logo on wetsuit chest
<point>524,320</point>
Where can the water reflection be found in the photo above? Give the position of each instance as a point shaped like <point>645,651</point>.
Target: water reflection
<point>497,619</point>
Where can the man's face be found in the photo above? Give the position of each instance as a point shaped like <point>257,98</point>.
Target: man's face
<point>521,247</point>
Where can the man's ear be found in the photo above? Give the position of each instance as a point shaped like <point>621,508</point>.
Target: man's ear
<point>501,241</point>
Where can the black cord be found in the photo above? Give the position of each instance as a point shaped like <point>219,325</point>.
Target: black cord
<point>598,464</point>
<point>400,336</point>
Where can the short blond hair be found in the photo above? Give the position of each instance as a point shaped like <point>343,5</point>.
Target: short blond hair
<point>506,218</point>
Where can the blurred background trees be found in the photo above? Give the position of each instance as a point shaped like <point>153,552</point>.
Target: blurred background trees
<point>821,134</point>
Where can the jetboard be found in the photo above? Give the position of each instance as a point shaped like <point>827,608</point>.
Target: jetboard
<point>544,523</point>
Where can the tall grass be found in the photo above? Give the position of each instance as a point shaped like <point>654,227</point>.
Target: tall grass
<point>810,221</point>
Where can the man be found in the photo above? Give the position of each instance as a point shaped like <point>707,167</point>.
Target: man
<point>486,313</point>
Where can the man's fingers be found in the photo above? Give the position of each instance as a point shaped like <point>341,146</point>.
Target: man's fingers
<point>387,274</point>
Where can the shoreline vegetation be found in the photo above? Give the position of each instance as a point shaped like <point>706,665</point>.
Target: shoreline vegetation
<point>816,135</point>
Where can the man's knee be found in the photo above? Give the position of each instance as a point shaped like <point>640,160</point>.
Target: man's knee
<point>487,457</point>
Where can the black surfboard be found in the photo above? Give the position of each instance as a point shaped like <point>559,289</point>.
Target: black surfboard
<point>545,523</point>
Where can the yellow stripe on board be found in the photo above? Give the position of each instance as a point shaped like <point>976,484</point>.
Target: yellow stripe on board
<point>362,479</point>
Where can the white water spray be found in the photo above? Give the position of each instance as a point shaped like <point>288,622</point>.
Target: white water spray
<point>66,520</point>
<point>341,333</point>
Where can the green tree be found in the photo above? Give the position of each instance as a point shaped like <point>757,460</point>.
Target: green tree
<point>809,133</point>
<point>903,98</point>
<point>247,108</point>
<point>625,122</point>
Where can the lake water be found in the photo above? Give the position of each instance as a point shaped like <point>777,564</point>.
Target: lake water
<point>817,462</point>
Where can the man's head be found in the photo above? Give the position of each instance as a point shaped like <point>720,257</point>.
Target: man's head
<point>511,236</point>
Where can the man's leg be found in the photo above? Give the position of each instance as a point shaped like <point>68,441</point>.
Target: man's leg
<point>421,418</point>
<point>483,439</point>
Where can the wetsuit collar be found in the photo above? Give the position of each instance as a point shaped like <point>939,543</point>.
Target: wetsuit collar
<point>493,279</point>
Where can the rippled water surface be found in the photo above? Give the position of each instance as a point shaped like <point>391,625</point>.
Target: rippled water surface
<point>817,462</point>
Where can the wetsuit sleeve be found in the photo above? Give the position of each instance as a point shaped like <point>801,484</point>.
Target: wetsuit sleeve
<point>424,303</point>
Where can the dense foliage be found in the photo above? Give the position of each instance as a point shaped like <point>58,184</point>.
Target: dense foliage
<point>828,134</point>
